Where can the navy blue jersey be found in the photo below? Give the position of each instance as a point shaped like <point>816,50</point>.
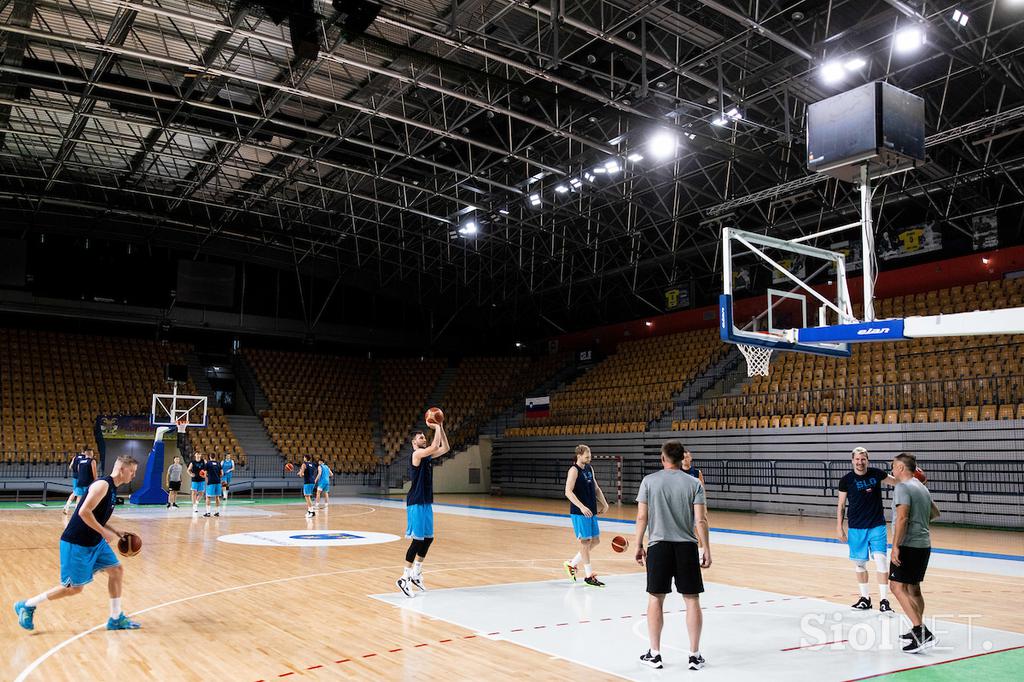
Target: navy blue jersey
<point>422,489</point>
<point>584,489</point>
<point>77,532</point>
<point>864,493</point>
<point>196,467</point>
<point>693,471</point>
<point>309,473</point>
<point>83,472</point>
<point>213,472</point>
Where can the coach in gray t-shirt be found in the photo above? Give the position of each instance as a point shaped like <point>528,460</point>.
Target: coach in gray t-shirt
<point>671,512</point>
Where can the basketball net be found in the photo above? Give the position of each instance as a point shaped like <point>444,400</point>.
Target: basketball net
<point>758,358</point>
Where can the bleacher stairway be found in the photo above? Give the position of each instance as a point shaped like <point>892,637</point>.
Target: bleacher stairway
<point>251,435</point>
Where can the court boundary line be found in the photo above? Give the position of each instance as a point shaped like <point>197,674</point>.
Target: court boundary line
<point>937,663</point>
<point>730,531</point>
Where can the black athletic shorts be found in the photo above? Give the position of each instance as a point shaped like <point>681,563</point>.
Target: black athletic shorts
<point>913,564</point>
<point>174,485</point>
<point>678,560</point>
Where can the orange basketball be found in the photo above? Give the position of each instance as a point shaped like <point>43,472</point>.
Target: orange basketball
<point>619,543</point>
<point>202,473</point>
<point>130,544</point>
<point>434,416</point>
<point>920,475</point>
<point>288,467</point>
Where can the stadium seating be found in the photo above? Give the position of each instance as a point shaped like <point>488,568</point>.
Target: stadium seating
<point>630,388</point>
<point>405,384</point>
<point>954,379</point>
<point>217,438</point>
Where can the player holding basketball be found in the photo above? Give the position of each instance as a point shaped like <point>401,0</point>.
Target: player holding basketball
<point>228,467</point>
<point>323,483</point>
<point>308,471</point>
<point>912,513</point>
<point>83,470</point>
<point>866,537</point>
<point>213,490</point>
<point>671,510</point>
<point>85,548</point>
<point>586,501</point>
<point>419,508</point>
<point>196,471</point>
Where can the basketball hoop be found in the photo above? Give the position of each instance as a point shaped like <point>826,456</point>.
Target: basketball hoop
<point>758,359</point>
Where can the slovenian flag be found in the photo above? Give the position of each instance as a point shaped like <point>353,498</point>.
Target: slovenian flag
<point>538,407</point>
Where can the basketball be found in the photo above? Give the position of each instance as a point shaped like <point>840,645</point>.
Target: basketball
<point>619,544</point>
<point>434,416</point>
<point>289,467</point>
<point>130,544</point>
<point>920,475</point>
<point>202,473</point>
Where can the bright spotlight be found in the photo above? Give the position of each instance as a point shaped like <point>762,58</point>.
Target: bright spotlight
<point>959,17</point>
<point>468,229</point>
<point>612,166</point>
<point>589,177</point>
<point>503,211</point>
<point>909,39</point>
<point>855,63</point>
<point>535,200</point>
<point>662,145</point>
<point>561,189</point>
<point>575,183</point>
<point>635,158</point>
<point>832,72</point>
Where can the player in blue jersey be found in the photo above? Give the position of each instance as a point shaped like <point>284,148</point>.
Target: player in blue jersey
<point>213,490</point>
<point>85,548</point>
<point>419,510</point>
<point>228,467</point>
<point>308,471</point>
<point>586,501</point>
<point>323,483</point>
<point>866,537</point>
<point>83,473</point>
<point>196,469</point>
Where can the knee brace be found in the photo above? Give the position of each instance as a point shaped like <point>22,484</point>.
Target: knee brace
<point>881,563</point>
<point>860,565</point>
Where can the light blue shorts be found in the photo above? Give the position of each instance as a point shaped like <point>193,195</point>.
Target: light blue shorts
<point>325,486</point>
<point>81,492</point>
<point>864,542</point>
<point>585,527</point>
<point>78,563</point>
<point>214,490</point>
<point>198,486</point>
<point>308,489</point>
<point>227,478</point>
<point>419,521</point>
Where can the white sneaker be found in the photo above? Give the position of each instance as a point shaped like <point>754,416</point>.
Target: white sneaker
<point>417,582</point>
<point>403,585</point>
<point>310,513</point>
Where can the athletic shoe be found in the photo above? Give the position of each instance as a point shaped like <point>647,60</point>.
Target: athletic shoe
<point>168,505</point>
<point>417,582</point>
<point>863,604</point>
<point>884,607</point>
<point>175,506</point>
<point>403,585</point>
<point>206,515</point>
<point>25,614</point>
<point>570,570</point>
<point>593,581</point>
<point>310,513</point>
<point>65,512</point>
<point>908,635</point>
<point>122,623</point>
<point>652,661</point>
<point>216,513</point>
<point>920,640</point>
<point>697,662</point>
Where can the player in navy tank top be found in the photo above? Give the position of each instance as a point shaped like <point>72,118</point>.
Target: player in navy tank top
<point>586,501</point>
<point>308,472</point>
<point>83,473</point>
<point>85,548</point>
<point>214,471</point>
<point>419,509</point>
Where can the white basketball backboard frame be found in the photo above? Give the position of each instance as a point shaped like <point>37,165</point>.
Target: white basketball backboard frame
<point>168,408</point>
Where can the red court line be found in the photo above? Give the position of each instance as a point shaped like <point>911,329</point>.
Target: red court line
<point>931,665</point>
<point>809,646</point>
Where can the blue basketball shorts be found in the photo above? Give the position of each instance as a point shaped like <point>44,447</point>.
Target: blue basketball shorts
<point>198,486</point>
<point>324,485</point>
<point>78,563</point>
<point>865,542</point>
<point>585,527</point>
<point>81,491</point>
<point>214,490</point>
<point>308,489</point>
<point>419,521</point>
<point>227,478</point>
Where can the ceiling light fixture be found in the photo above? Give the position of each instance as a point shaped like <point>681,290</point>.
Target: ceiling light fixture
<point>561,189</point>
<point>635,158</point>
<point>468,229</point>
<point>959,17</point>
<point>662,144</point>
<point>612,166</point>
<point>535,200</point>
<point>832,72</point>
<point>908,39</point>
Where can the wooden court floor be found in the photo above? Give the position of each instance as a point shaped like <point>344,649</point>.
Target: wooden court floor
<point>213,610</point>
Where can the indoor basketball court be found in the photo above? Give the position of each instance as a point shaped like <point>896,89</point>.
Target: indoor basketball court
<point>492,340</point>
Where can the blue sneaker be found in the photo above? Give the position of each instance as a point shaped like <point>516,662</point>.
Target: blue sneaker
<point>25,614</point>
<point>122,623</point>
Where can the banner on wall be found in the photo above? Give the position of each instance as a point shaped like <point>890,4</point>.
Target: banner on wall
<point>985,231</point>
<point>126,427</point>
<point>794,264</point>
<point>677,298</point>
<point>909,242</point>
<point>741,278</point>
<point>851,250</point>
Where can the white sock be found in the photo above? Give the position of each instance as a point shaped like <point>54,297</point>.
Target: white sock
<point>695,654</point>
<point>883,591</point>
<point>417,568</point>
<point>407,572</point>
<point>36,600</point>
<point>863,589</point>
<point>655,652</point>
<point>586,570</point>
<point>575,560</point>
<point>115,607</point>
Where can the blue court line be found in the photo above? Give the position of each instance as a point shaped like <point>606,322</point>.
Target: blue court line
<point>733,531</point>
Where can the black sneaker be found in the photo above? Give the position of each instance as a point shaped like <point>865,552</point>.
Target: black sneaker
<point>175,506</point>
<point>863,604</point>
<point>216,513</point>
<point>206,515</point>
<point>907,635</point>
<point>919,641</point>
<point>403,585</point>
<point>168,505</point>
<point>649,660</point>
<point>697,662</point>
<point>883,606</point>
<point>593,581</point>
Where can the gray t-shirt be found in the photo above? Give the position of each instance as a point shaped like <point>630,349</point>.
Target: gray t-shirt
<point>916,496</point>
<point>670,495</point>
<point>174,472</point>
